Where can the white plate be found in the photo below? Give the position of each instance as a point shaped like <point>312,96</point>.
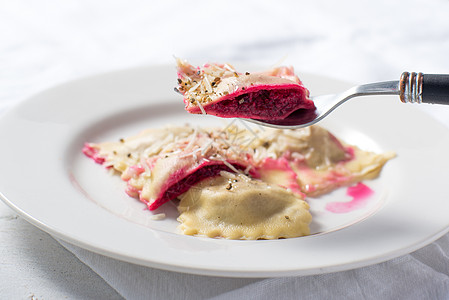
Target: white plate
<point>47,180</point>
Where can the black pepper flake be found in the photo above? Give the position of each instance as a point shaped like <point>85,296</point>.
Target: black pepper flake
<point>179,81</point>
<point>247,73</point>
<point>177,90</point>
<point>129,155</point>
<point>243,88</point>
<point>121,140</point>
<point>229,186</point>
<point>287,217</point>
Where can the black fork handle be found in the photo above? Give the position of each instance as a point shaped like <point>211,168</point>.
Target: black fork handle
<point>435,88</point>
<point>424,88</point>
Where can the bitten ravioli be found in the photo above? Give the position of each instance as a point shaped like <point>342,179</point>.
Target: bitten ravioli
<point>219,90</point>
<point>238,207</point>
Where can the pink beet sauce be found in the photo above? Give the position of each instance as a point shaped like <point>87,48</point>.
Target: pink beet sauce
<point>91,152</point>
<point>282,165</point>
<point>360,194</point>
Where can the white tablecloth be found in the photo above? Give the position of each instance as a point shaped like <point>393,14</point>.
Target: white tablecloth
<point>48,42</point>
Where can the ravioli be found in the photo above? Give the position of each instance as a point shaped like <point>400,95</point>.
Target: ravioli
<point>159,165</point>
<point>238,207</point>
<point>314,161</point>
<point>219,90</point>
<point>275,171</point>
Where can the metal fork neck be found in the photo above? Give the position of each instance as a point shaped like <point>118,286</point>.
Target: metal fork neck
<point>410,86</point>
<point>377,88</point>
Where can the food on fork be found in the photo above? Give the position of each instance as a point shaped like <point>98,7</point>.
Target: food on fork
<point>236,183</point>
<point>219,90</point>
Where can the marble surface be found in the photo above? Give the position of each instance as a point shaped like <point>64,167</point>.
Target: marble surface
<point>45,43</point>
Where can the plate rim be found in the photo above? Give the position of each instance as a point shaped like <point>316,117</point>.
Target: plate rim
<point>185,269</point>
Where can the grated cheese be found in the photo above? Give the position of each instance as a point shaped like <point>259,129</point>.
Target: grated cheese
<point>193,88</point>
<point>158,217</point>
<point>228,67</point>
<point>200,106</point>
<point>208,85</point>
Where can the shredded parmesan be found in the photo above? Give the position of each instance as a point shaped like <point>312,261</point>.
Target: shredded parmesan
<point>207,82</point>
<point>228,67</point>
<point>192,153</point>
<point>193,137</point>
<point>248,168</point>
<point>207,147</point>
<point>227,164</point>
<point>158,217</point>
<point>227,175</point>
<point>192,89</point>
<point>201,107</point>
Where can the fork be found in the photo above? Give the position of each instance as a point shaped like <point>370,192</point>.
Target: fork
<point>411,88</point>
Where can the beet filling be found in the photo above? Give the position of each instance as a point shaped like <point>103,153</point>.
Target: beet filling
<point>187,182</point>
<point>272,104</point>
